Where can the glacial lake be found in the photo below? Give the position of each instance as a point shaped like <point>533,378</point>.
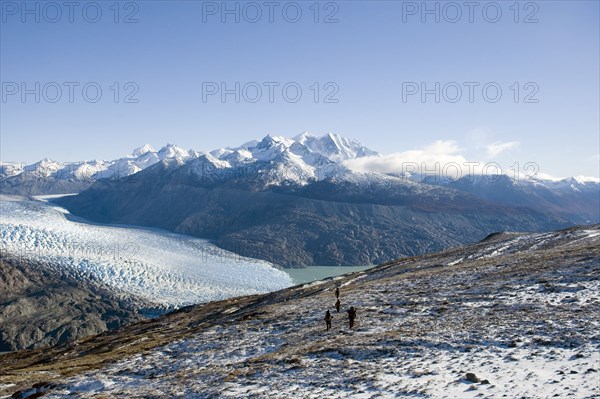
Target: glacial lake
<point>313,273</point>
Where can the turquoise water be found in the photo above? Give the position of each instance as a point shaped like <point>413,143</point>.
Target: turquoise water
<point>313,273</point>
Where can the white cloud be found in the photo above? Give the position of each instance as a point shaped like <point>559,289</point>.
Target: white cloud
<point>498,147</point>
<point>446,159</point>
<point>481,141</point>
<point>441,156</point>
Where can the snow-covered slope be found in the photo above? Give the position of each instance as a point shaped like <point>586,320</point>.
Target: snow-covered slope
<point>513,316</point>
<point>163,268</point>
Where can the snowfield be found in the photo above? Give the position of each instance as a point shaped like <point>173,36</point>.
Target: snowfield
<point>166,269</point>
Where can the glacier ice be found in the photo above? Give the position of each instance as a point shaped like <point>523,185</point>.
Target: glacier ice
<point>167,269</point>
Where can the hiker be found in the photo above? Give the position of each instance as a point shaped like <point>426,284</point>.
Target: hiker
<point>328,319</point>
<point>337,292</point>
<point>337,305</point>
<point>351,316</point>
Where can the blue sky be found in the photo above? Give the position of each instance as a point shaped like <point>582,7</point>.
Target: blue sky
<point>370,58</point>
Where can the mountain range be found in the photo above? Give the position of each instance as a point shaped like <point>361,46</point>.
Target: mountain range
<point>300,160</point>
<point>51,177</point>
<point>294,202</point>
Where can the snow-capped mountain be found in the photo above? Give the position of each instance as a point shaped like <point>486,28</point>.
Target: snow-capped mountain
<point>44,168</point>
<point>10,169</point>
<point>578,183</point>
<point>51,177</point>
<point>276,161</point>
<point>334,147</point>
<point>298,160</point>
<point>141,158</point>
<point>270,162</point>
<point>138,152</point>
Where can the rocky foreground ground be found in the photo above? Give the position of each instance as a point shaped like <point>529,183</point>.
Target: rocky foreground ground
<point>516,315</point>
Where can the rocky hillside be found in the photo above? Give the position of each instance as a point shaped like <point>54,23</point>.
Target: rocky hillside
<point>40,308</point>
<point>574,199</point>
<point>348,220</point>
<point>515,315</point>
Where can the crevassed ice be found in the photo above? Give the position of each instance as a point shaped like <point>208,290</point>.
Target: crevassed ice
<point>164,268</point>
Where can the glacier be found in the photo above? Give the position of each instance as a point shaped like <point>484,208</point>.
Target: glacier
<point>163,268</point>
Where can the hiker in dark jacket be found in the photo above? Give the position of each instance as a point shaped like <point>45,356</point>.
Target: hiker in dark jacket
<point>328,318</point>
<point>351,316</point>
<point>337,305</point>
<point>337,292</point>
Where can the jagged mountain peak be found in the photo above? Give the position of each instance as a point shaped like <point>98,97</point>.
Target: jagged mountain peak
<point>303,136</point>
<point>271,141</point>
<point>138,152</point>
<point>46,161</point>
<point>211,159</point>
<point>335,147</point>
<point>173,151</point>
<point>44,167</point>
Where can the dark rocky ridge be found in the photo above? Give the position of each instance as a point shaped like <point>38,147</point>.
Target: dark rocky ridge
<point>19,186</point>
<point>581,204</point>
